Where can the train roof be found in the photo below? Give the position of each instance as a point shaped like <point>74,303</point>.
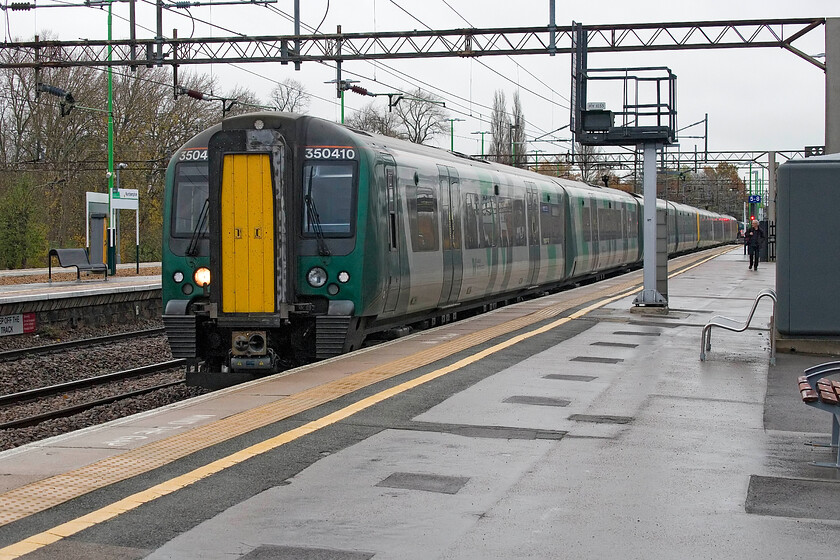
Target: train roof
<point>382,142</point>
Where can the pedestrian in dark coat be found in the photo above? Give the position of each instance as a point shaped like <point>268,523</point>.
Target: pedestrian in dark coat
<point>753,238</point>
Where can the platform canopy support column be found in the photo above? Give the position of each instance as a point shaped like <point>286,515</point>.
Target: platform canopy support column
<point>832,86</point>
<point>653,276</point>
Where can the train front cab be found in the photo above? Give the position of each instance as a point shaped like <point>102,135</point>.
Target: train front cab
<point>284,276</point>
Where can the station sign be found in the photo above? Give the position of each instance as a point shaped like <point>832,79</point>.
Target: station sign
<point>126,194</point>
<point>126,199</point>
<point>755,198</point>
<point>17,324</point>
<point>596,106</point>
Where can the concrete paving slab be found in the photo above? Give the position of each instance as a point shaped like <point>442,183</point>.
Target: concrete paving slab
<point>370,517</point>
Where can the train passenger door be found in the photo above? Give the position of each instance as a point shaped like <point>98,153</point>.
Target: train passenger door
<point>247,232</point>
<point>533,208</point>
<point>392,264</point>
<point>450,211</point>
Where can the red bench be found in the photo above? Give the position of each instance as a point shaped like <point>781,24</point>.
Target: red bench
<point>819,392</point>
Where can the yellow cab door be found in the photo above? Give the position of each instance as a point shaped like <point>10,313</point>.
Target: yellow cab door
<point>247,229</point>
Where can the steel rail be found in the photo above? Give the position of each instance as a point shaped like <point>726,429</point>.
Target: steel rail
<point>41,392</point>
<point>58,346</point>
<point>71,410</point>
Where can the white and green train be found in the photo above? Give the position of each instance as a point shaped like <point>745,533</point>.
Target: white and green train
<point>289,238</point>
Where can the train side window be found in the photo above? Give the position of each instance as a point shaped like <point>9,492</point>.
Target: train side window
<point>507,230</point>
<point>586,223</point>
<point>551,218</point>
<point>610,222</point>
<point>488,221</point>
<point>423,218</point>
<point>533,214</point>
<point>520,238</point>
<point>471,221</point>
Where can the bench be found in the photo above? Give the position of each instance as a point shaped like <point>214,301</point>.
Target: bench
<point>823,394</point>
<point>75,257</point>
<point>738,326</point>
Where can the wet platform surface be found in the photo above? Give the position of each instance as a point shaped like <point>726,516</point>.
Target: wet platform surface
<point>34,287</point>
<point>566,427</point>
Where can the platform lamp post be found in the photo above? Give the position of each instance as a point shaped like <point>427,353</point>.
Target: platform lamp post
<point>482,132</point>
<point>452,133</point>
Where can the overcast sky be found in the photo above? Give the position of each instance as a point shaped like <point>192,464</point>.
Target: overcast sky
<point>756,99</point>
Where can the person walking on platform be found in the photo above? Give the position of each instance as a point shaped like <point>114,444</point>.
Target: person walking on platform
<point>753,239</point>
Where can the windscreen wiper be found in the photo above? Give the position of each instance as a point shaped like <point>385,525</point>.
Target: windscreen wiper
<point>314,219</point>
<point>192,250</point>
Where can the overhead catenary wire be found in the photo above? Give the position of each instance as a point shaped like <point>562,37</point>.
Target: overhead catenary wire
<point>551,89</point>
<point>417,80</point>
<point>485,65</point>
<point>453,99</point>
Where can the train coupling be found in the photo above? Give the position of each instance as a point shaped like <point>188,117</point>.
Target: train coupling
<point>250,352</point>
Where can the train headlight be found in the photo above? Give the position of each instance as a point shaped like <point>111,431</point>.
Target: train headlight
<point>316,277</point>
<point>202,277</point>
<point>178,277</point>
<point>343,276</point>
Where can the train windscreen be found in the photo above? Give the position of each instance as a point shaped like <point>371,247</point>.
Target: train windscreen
<point>189,197</point>
<point>328,198</point>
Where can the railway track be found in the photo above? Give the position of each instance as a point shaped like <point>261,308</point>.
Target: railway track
<point>100,380</point>
<point>8,355</point>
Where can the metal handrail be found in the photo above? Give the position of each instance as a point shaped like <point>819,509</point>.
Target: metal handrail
<point>737,326</point>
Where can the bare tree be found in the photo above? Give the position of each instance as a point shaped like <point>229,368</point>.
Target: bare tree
<point>55,158</point>
<point>290,95</point>
<point>554,166</point>
<point>421,116</point>
<point>499,129</point>
<point>517,134</point>
<point>589,163</point>
<point>376,120</point>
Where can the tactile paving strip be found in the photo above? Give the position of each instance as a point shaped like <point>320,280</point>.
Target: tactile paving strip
<point>38,496</point>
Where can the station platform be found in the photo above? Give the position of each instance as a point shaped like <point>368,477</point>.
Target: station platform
<point>569,426</point>
<point>63,305</point>
<point>32,284</point>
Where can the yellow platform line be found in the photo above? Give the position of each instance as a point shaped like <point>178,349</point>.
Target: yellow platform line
<point>129,503</point>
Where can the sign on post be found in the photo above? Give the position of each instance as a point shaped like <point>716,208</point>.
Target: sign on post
<point>17,324</point>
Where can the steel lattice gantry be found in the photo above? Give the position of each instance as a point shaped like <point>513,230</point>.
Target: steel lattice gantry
<point>779,33</point>
<point>671,159</point>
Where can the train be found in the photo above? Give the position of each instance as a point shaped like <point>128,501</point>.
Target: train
<point>288,238</point>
